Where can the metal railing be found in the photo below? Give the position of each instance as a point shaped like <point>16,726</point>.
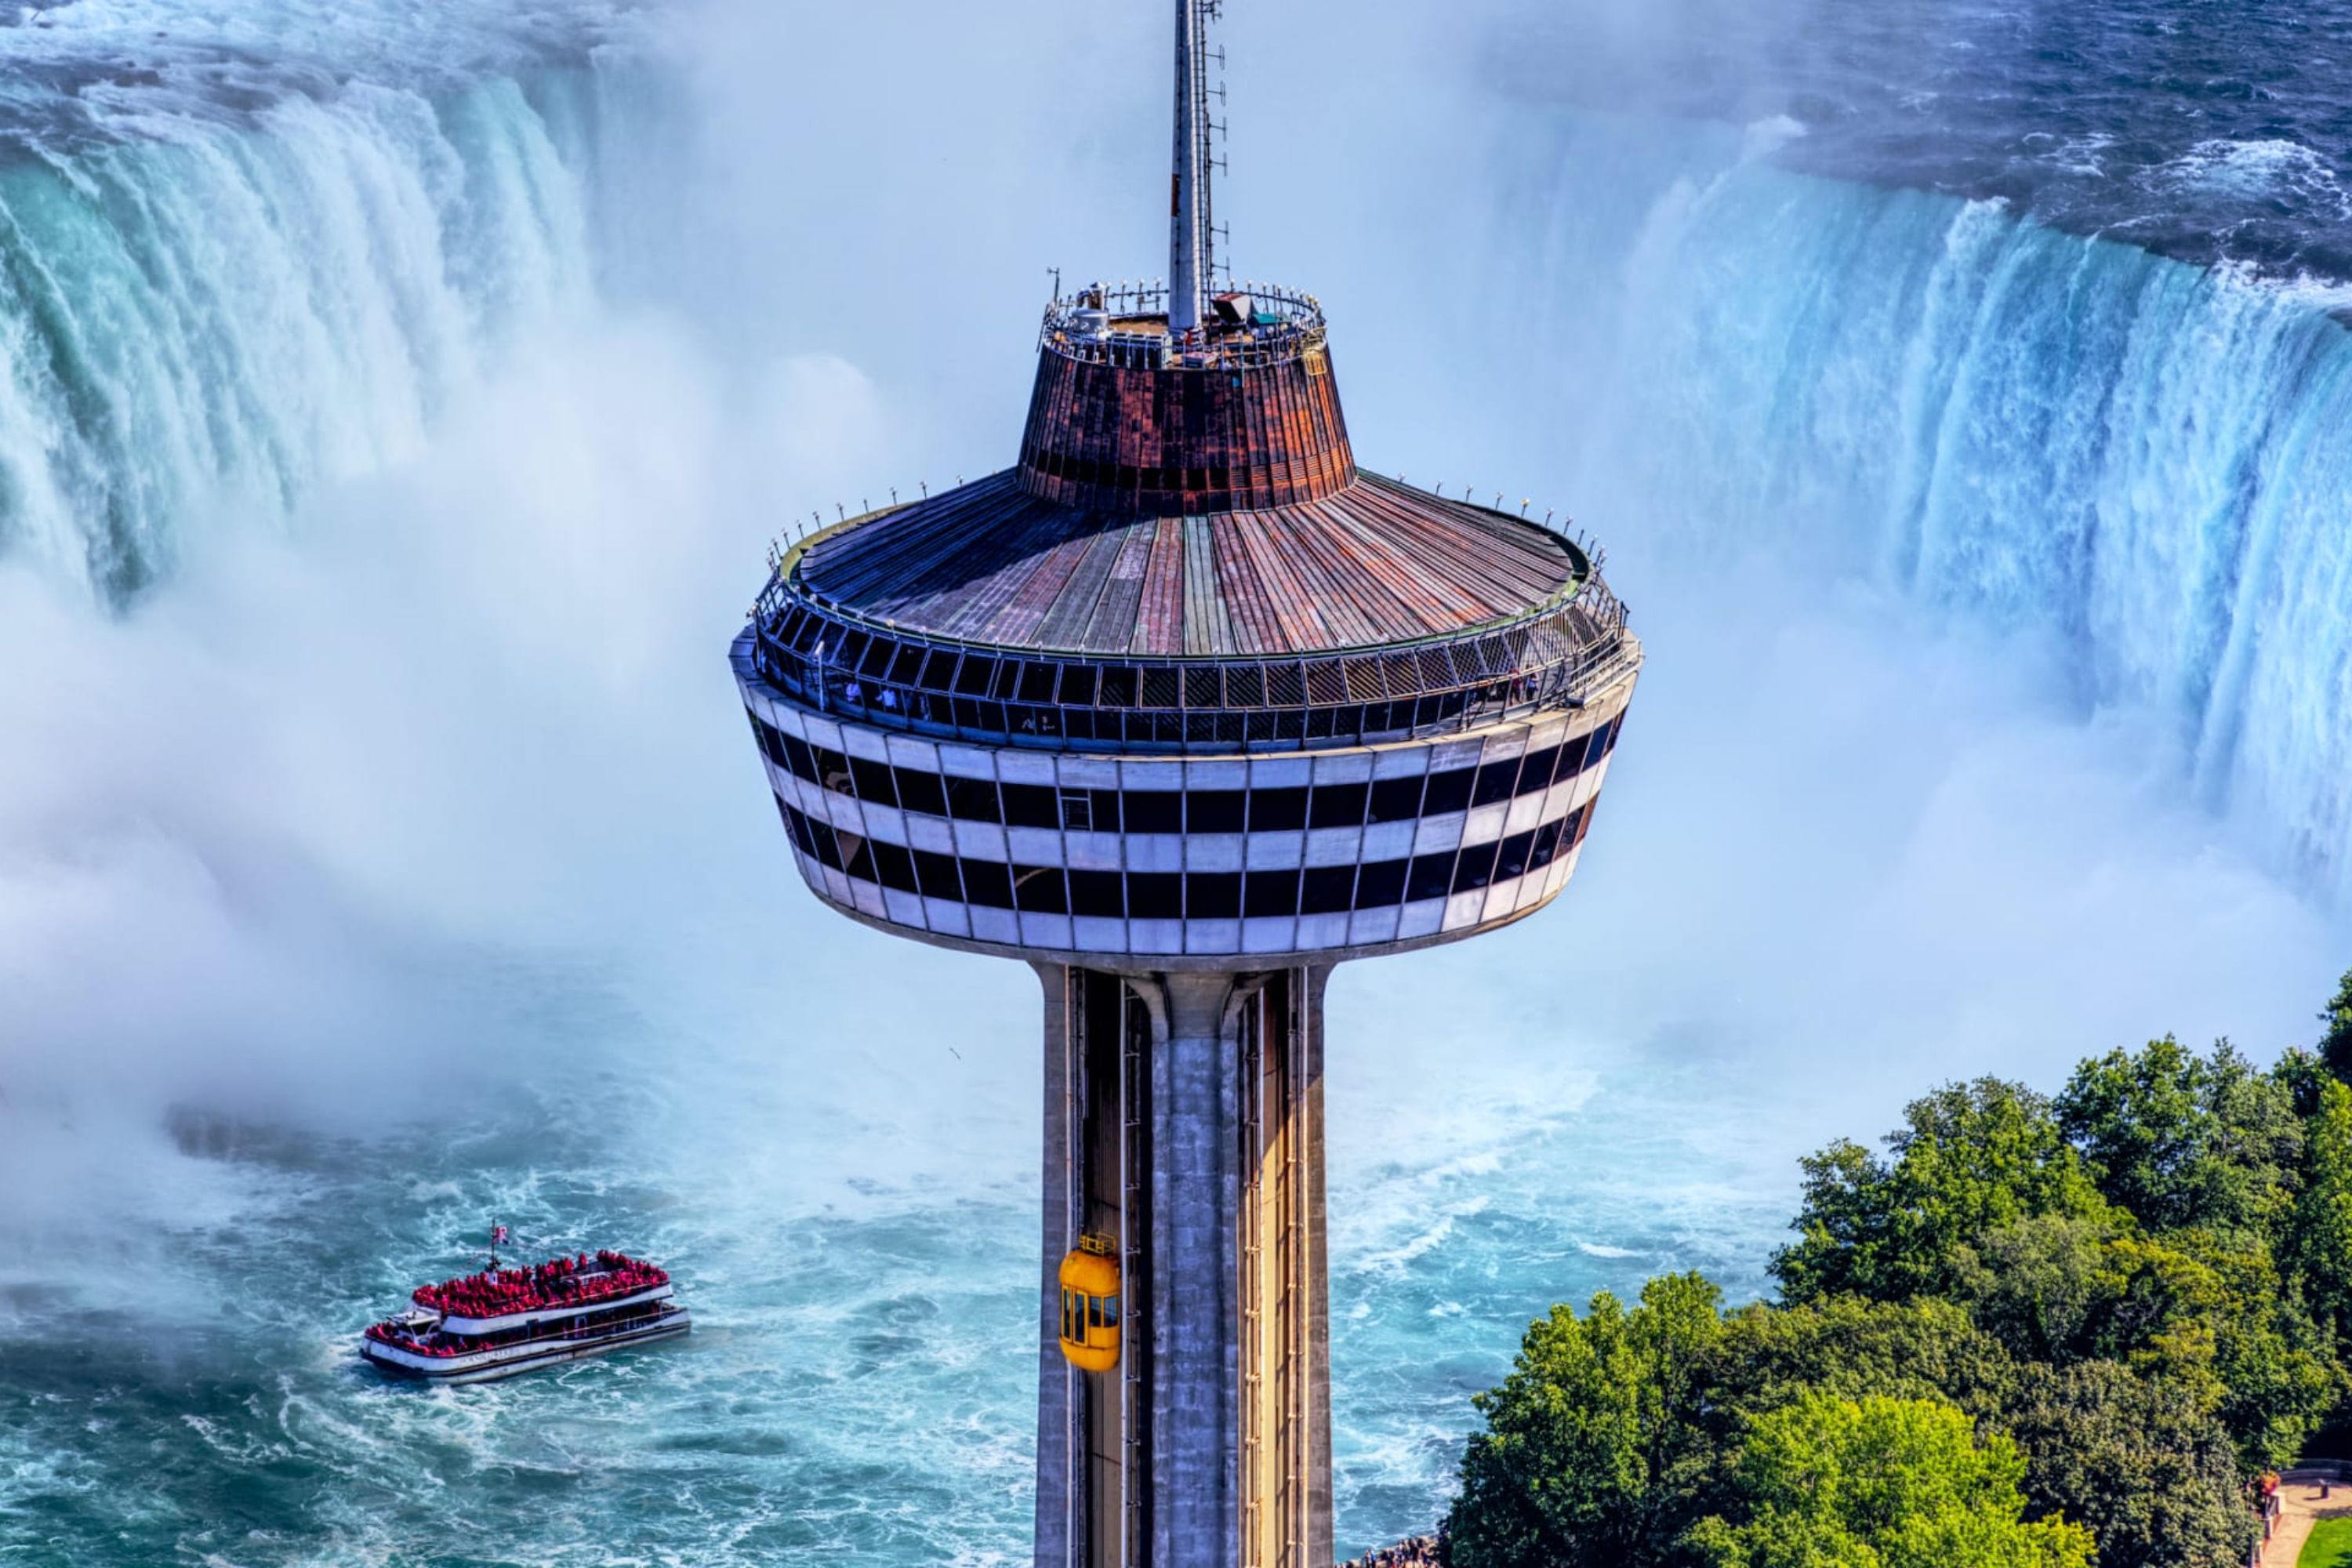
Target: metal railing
<point>1097,325</point>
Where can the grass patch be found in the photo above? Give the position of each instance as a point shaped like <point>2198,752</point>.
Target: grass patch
<point>2330,1545</point>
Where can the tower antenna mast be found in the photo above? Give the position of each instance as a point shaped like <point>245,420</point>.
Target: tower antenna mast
<point>1192,240</point>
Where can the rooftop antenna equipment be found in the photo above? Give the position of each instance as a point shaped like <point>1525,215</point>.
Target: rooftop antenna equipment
<point>1191,252</point>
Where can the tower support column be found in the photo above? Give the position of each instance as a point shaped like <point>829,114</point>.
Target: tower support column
<point>1193,1135</point>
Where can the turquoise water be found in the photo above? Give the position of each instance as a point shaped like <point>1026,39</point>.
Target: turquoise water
<point>384,856</point>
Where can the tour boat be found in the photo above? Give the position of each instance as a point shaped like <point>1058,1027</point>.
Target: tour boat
<point>502,1321</point>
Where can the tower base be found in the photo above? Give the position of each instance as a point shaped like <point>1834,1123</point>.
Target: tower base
<point>1184,1119</point>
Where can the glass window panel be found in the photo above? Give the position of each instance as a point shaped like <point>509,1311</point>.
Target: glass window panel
<point>1547,847</point>
<point>1430,877</point>
<point>848,650</point>
<point>1290,725</point>
<point>1214,811</point>
<point>992,718</point>
<point>919,791</point>
<point>936,875</point>
<point>1244,685</point>
<point>1496,781</point>
<point>1270,893</point>
<point>973,679</point>
<point>1213,895</point>
<point>1038,682</point>
<point>1536,772</point>
<point>906,665</point>
<point>1097,893</point>
<point>1039,890</point>
<point>833,770</point>
<point>1400,674</point>
<point>1118,687</point>
<point>1263,726</point>
<point>939,670</point>
<point>1031,805</point>
<point>1202,687</point>
<point>1199,728</point>
<point>1078,684</point>
<point>974,800</point>
<point>1106,809</point>
<point>1328,890</point>
<point>1395,800</point>
<point>1153,811</point>
<point>798,758</point>
<point>1436,672</point>
<point>1475,869</point>
<point>1277,810</point>
<point>1285,686</point>
<point>1514,860</point>
<point>1160,685</point>
<point>1320,724</point>
<point>1325,684</point>
<point>1337,806</point>
<point>828,844</point>
<point>988,882</point>
<point>1155,896</point>
<point>874,784</point>
<point>893,868</point>
<point>1008,681</point>
<point>1380,884</point>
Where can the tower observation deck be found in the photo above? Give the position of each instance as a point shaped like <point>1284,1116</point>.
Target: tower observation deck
<point>1183,710</point>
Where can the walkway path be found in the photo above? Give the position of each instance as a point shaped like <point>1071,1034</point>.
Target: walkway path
<point>2301,1507</point>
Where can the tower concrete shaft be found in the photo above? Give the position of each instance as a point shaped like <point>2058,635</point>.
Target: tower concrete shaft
<point>1184,1118</point>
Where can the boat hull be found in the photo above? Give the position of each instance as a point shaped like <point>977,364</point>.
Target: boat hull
<point>528,1355</point>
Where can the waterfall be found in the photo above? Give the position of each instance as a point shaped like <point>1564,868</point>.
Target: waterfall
<point>198,326</point>
<point>2145,464</point>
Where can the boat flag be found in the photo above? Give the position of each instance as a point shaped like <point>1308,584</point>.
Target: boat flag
<point>498,1236</point>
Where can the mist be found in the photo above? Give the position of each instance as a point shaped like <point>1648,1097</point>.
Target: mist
<point>440,794</point>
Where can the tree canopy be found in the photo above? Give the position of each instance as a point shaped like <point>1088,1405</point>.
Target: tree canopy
<point>2031,1330</point>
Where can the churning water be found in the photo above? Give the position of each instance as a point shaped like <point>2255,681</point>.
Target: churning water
<point>1980,482</point>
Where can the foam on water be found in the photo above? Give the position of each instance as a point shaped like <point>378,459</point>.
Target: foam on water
<point>2014,512</point>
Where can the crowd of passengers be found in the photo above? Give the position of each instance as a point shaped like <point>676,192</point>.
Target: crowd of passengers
<point>1420,1552</point>
<point>561,1282</point>
<point>430,1341</point>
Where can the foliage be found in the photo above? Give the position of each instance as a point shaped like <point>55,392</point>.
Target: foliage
<point>2335,1045</point>
<point>2140,1461</point>
<point>1594,1448</point>
<point>2178,1140</point>
<point>2127,1299</point>
<point>1880,1483</point>
<point>1970,1158</point>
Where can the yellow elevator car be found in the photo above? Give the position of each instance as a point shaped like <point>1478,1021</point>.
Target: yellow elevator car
<point>1090,1304</point>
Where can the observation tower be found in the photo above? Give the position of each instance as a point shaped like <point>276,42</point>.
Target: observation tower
<point>1183,710</point>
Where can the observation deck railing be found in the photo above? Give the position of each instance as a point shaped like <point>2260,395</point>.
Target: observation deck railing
<point>1280,325</point>
<point>1557,655</point>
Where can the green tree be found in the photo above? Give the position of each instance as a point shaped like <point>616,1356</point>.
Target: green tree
<point>2179,1139</point>
<point>2335,1045</point>
<point>1596,1445</point>
<point>2322,1250</point>
<point>1969,1159</point>
<point>2140,1460</point>
<point>1880,1483</point>
<point>1922,1349</point>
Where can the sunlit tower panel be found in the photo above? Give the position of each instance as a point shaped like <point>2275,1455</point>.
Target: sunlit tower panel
<point>1183,710</point>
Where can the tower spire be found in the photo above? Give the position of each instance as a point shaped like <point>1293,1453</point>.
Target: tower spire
<point>1190,247</point>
